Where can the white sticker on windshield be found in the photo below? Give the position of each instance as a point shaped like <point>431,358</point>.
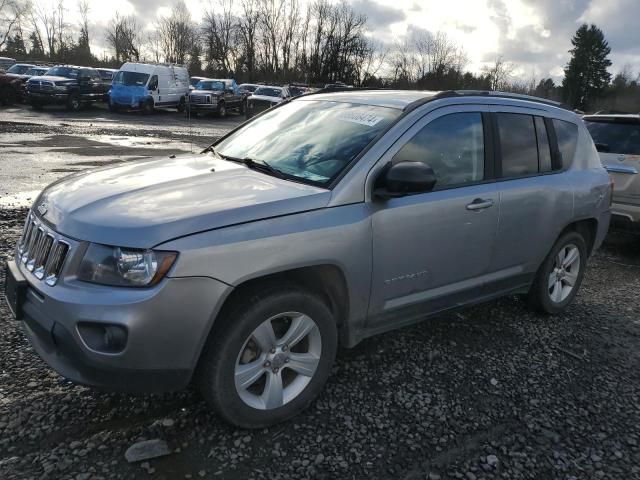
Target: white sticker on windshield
<point>368,119</point>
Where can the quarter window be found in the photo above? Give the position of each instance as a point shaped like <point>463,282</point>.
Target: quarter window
<point>544,150</point>
<point>518,144</point>
<point>567,135</point>
<point>452,145</point>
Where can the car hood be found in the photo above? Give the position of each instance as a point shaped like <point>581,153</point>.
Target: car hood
<point>266,98</point>
<point>51,78</point>
<point>215,93</point>
<point>144,203</point>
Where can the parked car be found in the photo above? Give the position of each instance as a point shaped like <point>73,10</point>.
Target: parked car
<point>147,86</point>
<point>248,88</point>
<point>617,138</point>
<point>265,97</point>
<point>328,219</point>
<point>216,95</point>
<point>10,89</point>
<point>68,85</point>
<point>19,68</point>
<point>106,74</point>
<point>6,62</point>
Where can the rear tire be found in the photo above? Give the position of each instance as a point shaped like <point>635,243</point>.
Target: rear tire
<point>560,275</point>
<point>302,335</point>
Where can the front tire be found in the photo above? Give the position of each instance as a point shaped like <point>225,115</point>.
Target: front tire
<point>182,105</point>
<point>147,107</point>
<point>560,275</point>
<point>269,358</point>
<point>222,110</point>
<point>74,104</point>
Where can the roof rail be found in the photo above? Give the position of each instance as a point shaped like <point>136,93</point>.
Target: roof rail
<point>485,93</point>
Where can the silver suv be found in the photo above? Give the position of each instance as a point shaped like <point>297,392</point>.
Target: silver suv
<point>325,220</point>
<point>617,138</point>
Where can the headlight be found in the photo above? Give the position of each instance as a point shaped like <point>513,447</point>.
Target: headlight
<point>124,267</point>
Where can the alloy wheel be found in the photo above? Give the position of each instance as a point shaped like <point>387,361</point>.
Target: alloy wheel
<point>564,274</point>
<point>278,360</point>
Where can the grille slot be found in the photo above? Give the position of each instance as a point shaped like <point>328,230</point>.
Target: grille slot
<point>41,251</point>
<point>56,262</point>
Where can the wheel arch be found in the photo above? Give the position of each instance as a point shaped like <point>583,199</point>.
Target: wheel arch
<point>326,280</point>
<point>587,228</point>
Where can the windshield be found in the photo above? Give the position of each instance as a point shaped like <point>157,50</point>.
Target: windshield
<point>209,85</point>
<point>268,91</point>
<point>36,71</point>
<point>63,72</point>
<point>130,78</point>
<point>311,140</point>
<point>623,138</point>
<point>248,88</point>
<point>105,74</point>
<point>19,69</point>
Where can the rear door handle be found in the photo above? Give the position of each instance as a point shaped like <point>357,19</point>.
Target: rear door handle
<point>480,204</point>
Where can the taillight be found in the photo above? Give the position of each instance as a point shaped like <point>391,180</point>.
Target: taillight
<point>612,184</point>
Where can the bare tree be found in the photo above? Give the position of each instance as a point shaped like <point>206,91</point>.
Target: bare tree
<point>220,33</point>
<point>247,27</point>
<point>499,73</point>
<point>123,38</point>
<point>176,33</point>
<point>11,13</point>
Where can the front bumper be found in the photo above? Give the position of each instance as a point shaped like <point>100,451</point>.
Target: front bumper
<point>208,107</point>
<point>166,327</point>
<point>626,212</point>
<point>48,98</point>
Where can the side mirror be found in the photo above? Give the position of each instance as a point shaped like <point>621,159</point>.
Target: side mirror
<point>602,147</point>
<point>405,178</point>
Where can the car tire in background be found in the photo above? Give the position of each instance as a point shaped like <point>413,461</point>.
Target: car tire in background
<point>268,357</point>
<point>7,96</point>
<point>113,107</point>
<point>181,105</point>
<point>73,103</point>
<point>146,107</point>
<point>243,106</point>
<point>559,277</point>
<point>222,109</point>
<point>36,105</point>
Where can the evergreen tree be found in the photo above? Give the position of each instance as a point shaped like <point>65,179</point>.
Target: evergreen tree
<point>36,52</point>
<point>586,75</point>
<point>195,62</point>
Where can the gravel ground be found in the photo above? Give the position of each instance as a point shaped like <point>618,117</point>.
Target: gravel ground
<point>491,392</point>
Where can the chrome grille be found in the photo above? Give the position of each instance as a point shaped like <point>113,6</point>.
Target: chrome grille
<point>41,251</point>
<point>200,99</point>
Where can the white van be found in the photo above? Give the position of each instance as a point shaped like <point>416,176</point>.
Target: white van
<point>146,86</point>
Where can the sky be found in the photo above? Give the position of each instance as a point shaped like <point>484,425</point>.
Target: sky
<point>532,34</point>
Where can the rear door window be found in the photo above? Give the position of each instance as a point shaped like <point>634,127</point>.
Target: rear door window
<point>518,144</point>
<point>567,135</point>
<point>452,145</point>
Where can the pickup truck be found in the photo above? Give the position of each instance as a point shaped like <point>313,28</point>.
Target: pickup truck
<point>215,95</point>
<point>67,85</point>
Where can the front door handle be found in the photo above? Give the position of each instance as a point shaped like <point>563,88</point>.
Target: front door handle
<point>480,204</point>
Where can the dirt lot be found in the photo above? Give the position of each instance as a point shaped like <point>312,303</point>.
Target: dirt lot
<point>493,392</point>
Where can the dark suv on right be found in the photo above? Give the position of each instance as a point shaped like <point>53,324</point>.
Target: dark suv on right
<point>67,85</point>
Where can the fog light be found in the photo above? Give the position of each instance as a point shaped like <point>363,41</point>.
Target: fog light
<point>104,338</point>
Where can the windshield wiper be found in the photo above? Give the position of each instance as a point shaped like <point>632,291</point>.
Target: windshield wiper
<point>261,166</point>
